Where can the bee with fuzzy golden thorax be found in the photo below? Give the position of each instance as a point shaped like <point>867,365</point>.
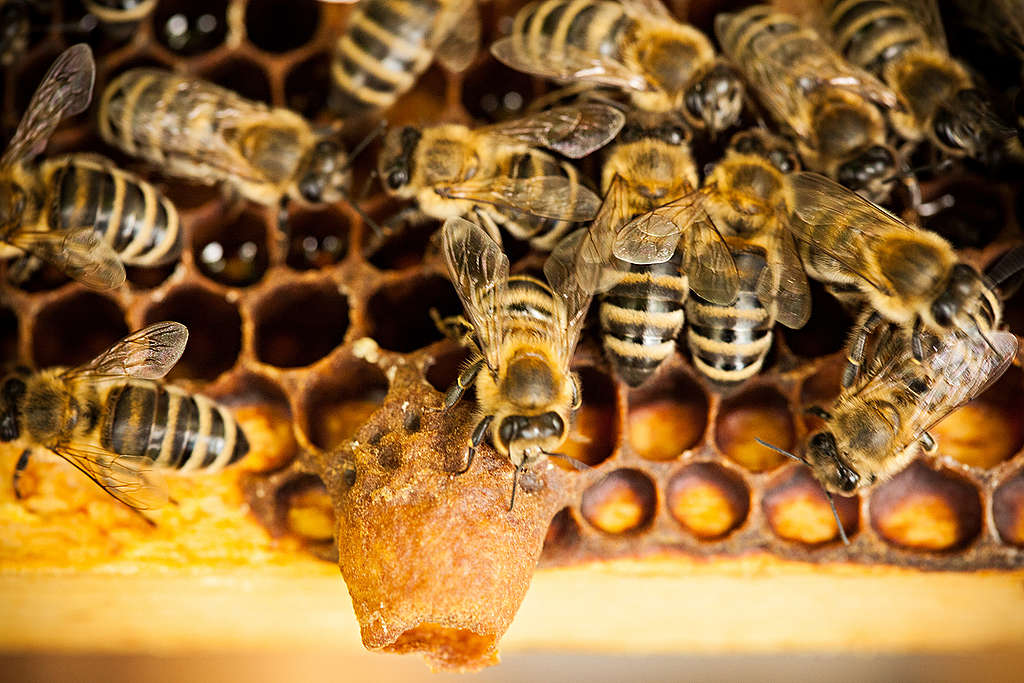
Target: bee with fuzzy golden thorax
<point>496,174</point>
<point>903,275</point>
<point>114,419</point>
<point>524,333</point>
<point>635,46</point>
<point>834,109</point>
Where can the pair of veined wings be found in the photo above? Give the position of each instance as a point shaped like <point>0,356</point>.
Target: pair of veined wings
<point>573,130</point>
<point>479,271</point>
<point>820,203</point>
<point>149,354</point>
<point>956,368</point>
<point>685,224</point>
<point>536,54</point>
<point>784,80</point>
<point>65,90</point>
<point>455,38</point>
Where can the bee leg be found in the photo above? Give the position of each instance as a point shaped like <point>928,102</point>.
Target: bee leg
<point>855,356</point>
<point>487,221</point>
<point>515,486</point>
<point>928,443</point>
<point>818,411</point>
<point>454,327</point>
<point>462,382</point>
<point>18,469</point>
<point>916,345</point>
<point>479,432</point>
<point>22,268</point>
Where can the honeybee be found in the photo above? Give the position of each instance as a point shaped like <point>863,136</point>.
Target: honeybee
<point>496,172</point>
<point>32,207</point>
<point>749,199</point>
<point>112,419</point>
<point>903,42</point>
<point>386,45</point>
<point>907,276</point>
<point>641,312</point>
<point>193,129</point>
<point>635,46</point>
<point>830,106</point>
<point>872,429</point>
<point>524,334</point>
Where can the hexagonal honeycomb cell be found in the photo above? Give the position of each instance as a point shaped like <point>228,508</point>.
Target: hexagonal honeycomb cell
<point>319,339</point>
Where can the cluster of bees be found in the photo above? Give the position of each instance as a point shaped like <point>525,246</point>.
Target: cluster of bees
<point>850,96</point>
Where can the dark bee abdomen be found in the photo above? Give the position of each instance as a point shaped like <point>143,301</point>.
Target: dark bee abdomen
<point>761,32</point>
<point>872,33</point>
<point>729,343</point>
<point>385,47</point>
<point>594,27</point>
<point>139,222</point>
<point>529,304</point>
<point>641,317</point>
<point>172,428</point>
<point>542,233</point>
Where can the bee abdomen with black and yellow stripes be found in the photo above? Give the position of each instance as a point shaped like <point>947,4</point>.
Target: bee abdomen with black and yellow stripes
<point>170,427</point>
<point>729,343</point>
<point>542,233</point>
<point>386,45</point>
<point>593,27</point>
<point>134,218</point>
<point>529,306</point>
<point>872,33</point>
<point>641,317</point>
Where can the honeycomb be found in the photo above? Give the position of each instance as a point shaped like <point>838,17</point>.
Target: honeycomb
<point>323,345</point>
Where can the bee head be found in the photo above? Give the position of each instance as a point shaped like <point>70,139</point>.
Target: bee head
<point>528,437</point>
<point>966,125</point>
<point>11,393</point>
<point>395,162</point>
<point>824,458</point>
<point>867,170</point>
<point>670,128</point>
<point>762,144</point>
<point>325,173</point>
<point>716,98</point>
<point>963,296</point>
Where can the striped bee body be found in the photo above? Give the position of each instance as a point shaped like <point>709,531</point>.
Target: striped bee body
<point>729,343</point>
<point>542,233</point>
<point>132,216</point>
<point>641,316</point>
<point>170,427</point>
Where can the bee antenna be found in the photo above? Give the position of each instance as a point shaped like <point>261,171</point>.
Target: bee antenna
<point>515,484</point>
<point>362,214</point>
<point>785,453</point>
<point>364,143</point>
<point>828,494</point>
<point>1009,264</point>
<point>938,167</point>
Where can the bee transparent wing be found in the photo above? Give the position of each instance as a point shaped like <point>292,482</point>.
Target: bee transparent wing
<point>149,353</point>
<point>81,254</point>
<point>782,286</point>
<point>573,130</point>
<point>555,197</point>
<point>572,280</point>
<point>960,368</point>
<point>479,271</point>
<point>708,263</point>
<point>653,236</point>
<point>66,90</point>
<point>654,8</point>
<point>599,267</point>
<point>459,28</point>
<point>131,480</point>
<point>566,63</point>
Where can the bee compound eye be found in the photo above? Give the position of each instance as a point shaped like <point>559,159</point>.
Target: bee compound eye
<point>397,179</point>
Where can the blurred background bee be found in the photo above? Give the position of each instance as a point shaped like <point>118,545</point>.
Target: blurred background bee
<point>113,420</point>
<point>524,333</point>
<point>750,200</point>
<point>193,129</point>
<point>635,46</point>
<point>901,274</point>
<point>833,108</point>
<point>496,173</point>
<point>903,42</point>
<point>873,428</point>
<point>32,220</point>
<point>386,45</point>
